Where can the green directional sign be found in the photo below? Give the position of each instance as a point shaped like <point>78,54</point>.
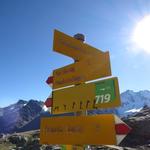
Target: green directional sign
<point>105,91</point>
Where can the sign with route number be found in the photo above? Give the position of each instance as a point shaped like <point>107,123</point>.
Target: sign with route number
<point>105,91</point>
<point>99,94</point>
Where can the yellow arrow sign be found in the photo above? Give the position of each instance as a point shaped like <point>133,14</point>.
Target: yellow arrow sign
<point>78,130</point>
<point>72,47</point>
<point>91,62</point>
<point>103,129</point>
<point>100,94</point>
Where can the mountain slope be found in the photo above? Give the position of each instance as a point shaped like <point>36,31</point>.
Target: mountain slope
<point>19,114</point>
<point>133,102</point>
<point>140,124</point>
<point>130,101</point>
<point>35,123</point>
<point>25,115</point>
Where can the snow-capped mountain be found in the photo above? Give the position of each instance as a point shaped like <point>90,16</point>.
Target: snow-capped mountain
<point>25,115</point>
<point>19,114</point>
<point>133,102</point>
<point>140,124</point>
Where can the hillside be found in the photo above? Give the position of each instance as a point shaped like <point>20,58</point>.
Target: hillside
<point>19,114</point>
<point>135,111</point>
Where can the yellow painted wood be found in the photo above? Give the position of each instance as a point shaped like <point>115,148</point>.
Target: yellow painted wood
<point>72,47</point>
<point>82,97</point>
<point>79,130</point>
<point>90,64</point>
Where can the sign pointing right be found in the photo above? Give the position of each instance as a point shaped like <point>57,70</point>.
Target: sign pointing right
<point>104,129</point>
<point>90,64</point>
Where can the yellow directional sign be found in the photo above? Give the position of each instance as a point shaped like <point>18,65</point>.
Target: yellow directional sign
<point>78,130</point>
<point>90,64</point>
<point>72,47</point>
<point>99,94</point>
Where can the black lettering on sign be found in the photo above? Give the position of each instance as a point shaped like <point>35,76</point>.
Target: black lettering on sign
<point>77,105</point>
<point>56,108</point>
<point>54,130</point>
<point>81,104</point>
<point>94,102</point>
<point>73,105</point>
<point>74,129</point>
<point>87,103</point>
<point>65,107</point>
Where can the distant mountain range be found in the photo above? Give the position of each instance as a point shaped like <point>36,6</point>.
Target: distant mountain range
<point>140,124</point>
<point>19,114</point>
<point>25,115</point>
<point>131,103</point>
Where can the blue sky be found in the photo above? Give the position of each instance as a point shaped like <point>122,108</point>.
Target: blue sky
<point>26,37</point>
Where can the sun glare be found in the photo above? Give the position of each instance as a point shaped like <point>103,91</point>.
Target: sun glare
<point>141,34</point>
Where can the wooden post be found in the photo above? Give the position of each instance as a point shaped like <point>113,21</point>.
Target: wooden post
<point>80,37</point>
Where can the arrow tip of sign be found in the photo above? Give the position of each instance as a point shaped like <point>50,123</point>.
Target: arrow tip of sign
<point>121,127</point>
<point>50,80</point>
<point>49,102</point>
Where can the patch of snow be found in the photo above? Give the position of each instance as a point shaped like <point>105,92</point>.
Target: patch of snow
<point>11,108</point>
<point>133,110</point>
<point>45,108</point>
<point>132,101</point>
<point>24,104</point>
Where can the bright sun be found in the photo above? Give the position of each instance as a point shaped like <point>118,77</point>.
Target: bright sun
<point>141,34</point>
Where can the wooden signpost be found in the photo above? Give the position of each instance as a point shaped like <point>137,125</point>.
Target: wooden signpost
<point>90,64</point>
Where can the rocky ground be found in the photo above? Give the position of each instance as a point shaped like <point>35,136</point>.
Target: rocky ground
<point>140,133</point>
<point>137,139</point>
<point>23,141</point>
<point>30,141</point>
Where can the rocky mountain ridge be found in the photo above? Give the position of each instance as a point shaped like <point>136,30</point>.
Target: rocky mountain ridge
<point>140,124</point>
<point>133,102</point>
<point>19,114</point>
<point>25,115</point>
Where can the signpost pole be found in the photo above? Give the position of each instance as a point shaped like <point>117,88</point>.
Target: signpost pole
<point>81,38</point>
